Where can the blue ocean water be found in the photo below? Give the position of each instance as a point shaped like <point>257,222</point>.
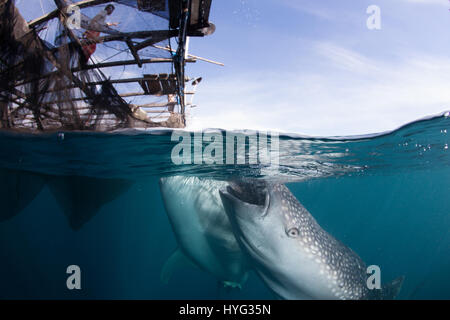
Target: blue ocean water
<point>386,196</point>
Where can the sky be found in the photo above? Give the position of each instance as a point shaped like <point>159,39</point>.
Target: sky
<point>313,67</point>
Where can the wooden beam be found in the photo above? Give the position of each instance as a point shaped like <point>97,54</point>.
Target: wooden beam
<point>158,105</point>
<point>191,56</point>
<point>133,94</point>
<point>125,95</point>
<point>154,35</point>
<point>94,83</point>
<point>125,63</point>
<point>158,117</point>
<point>122,63</point>
<point>134,53</point>
<point>105,65</point>
<point>42,19</point>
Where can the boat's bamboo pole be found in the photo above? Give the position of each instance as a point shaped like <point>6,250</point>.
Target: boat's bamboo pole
<point>134,52</point>
<point>104,65</point>
<point>191,55</point>
<point>159,117</point>
<point>159,34</point>
<point>125,95</point>
<point>157,105</point>
<point>157,111</point>
<point>124,63</point>
<point>149,105</point>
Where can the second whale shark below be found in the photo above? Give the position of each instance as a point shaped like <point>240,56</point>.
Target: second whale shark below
<point>202,230</point>
<point>293,255</point>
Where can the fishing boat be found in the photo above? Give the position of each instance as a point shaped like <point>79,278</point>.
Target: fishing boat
<point>64,70</point>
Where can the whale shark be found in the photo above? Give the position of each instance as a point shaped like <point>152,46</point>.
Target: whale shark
<point>202,230</point>
<point>292,254</point>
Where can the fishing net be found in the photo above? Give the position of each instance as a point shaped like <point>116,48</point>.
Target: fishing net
<point>55,77</point>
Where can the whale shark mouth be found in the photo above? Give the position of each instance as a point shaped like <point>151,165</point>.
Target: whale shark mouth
<point>249,191</point>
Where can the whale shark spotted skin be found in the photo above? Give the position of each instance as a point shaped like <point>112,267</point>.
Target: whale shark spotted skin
<point>292,254</point>
<point>202,228</point>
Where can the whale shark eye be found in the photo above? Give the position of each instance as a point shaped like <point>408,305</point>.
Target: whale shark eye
<point>293,232</point>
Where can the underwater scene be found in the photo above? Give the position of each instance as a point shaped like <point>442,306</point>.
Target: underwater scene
<point>139,224</point>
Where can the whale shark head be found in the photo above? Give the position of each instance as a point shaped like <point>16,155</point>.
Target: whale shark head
<point>266,211</point>
<point>284,241</point>
<point>294,256</point>
<point>267,220</point>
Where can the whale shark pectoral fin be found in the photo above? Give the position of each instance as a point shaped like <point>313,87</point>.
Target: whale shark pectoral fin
<point>391,290</point>
<point>176,260</point>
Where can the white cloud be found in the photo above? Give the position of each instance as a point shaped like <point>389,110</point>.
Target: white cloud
<point>429,2</point>
<point>346,59</point>
<point>349,94</point>
<point>321,10</point>
<point>310,8</point>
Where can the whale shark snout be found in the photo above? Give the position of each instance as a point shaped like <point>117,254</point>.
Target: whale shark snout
<point>245,199</point>
<point>254,192</point>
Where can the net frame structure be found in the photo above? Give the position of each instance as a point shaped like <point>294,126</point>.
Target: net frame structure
<point>49,85</point>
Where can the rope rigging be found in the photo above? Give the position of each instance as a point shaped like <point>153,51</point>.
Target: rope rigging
<point>55,77</point>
